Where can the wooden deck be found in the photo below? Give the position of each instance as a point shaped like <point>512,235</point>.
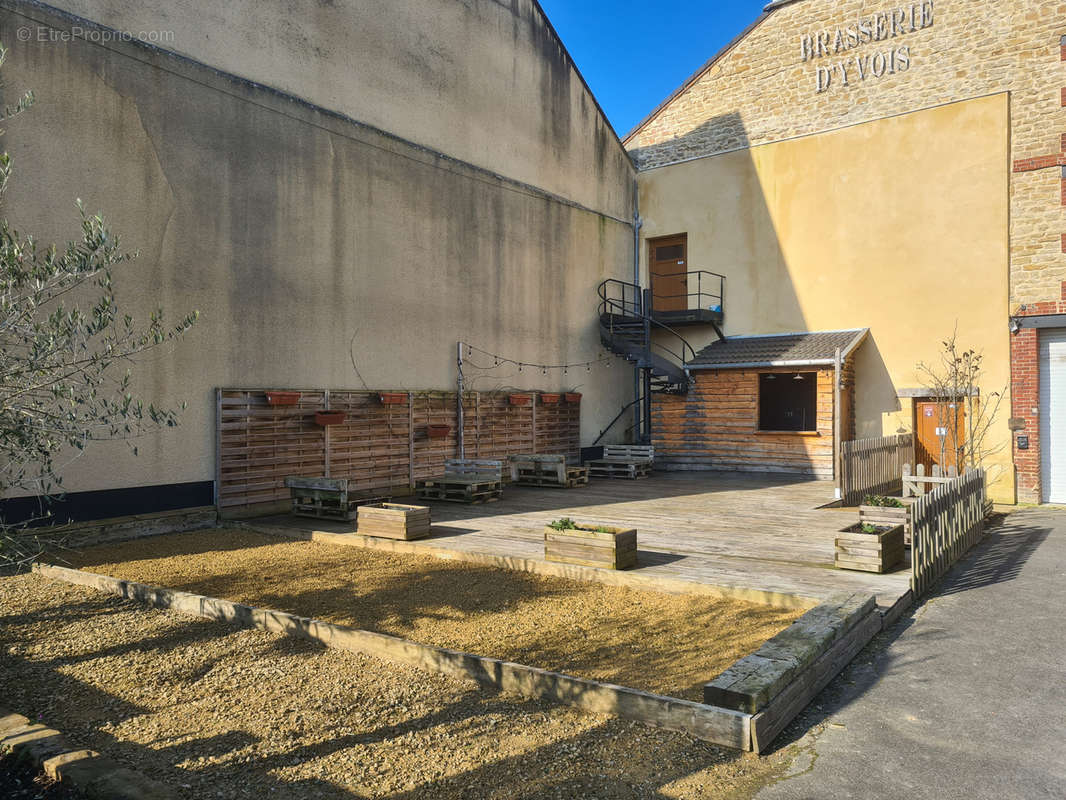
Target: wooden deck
<point>726,529</point>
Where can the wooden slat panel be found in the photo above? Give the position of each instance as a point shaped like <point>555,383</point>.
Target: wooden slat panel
<point>378,447</point>
<point>945,523</point>
<point>715,425</point>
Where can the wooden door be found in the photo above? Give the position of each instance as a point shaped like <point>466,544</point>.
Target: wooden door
<point>935,444</point>
<point>667,261</point>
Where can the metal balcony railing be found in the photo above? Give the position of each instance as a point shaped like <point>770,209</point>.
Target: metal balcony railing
<point>709,294</point>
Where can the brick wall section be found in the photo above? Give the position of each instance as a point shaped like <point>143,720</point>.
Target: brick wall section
<point>1025,394</point>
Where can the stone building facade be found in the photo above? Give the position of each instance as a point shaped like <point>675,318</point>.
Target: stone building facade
<point>808,67</point>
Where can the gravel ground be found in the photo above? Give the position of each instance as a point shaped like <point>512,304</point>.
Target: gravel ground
<point>670,644</point>
<point>220,712</point>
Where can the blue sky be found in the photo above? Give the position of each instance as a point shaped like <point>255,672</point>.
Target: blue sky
<point>634,55</point>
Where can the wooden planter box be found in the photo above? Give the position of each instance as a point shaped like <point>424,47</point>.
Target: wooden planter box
<point>549,399</point>
<point>572,397</point>
<point>887,515</point>
<point>869,552</point>
<point>438,431</point>
<point>392,398</point>
<point>282,398</point>
<point>520,399</point>
<point>615,548</point>
<point>394,521</point>
<point>324,418</point>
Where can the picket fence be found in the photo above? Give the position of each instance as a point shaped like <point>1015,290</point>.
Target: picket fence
<point>873,466</point>
<point>945,523</point>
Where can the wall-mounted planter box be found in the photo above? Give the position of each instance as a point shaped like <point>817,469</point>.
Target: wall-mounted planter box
<point>392,398</point>
<point>609,548</point>
<point>282,398</point>
<point>521,399</point>
<point>890,516</point>
<point>869,552</point>
<point>325,418</point>
<point>438,431</point>
<point>572,397</point>
<point>394,521</point>
<point>549,399</point>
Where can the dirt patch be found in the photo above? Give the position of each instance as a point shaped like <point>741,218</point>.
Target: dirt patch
<point>220,712</point>
<point>669,644</point>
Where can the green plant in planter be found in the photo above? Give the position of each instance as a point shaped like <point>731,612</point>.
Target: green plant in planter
<point>868,528</point>
<point>564,524</point>
<point>883,502</point>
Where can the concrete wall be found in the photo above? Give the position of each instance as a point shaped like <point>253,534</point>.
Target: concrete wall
<point>484,81</point>
<point>307,240</point>
<point>898,225</point>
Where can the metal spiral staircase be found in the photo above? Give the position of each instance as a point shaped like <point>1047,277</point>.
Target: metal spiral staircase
<point>633,326</point>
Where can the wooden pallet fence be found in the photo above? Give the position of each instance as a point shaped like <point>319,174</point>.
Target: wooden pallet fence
<point>873,466</point>
<point>380,448</point>
<point>259,445</point>
<point>945,523</point>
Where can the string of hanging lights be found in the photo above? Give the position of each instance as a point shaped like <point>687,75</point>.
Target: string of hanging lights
<point>467,351</point>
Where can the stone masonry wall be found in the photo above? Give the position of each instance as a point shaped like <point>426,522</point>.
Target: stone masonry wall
<point>763,91</point>
<point>786,78</point>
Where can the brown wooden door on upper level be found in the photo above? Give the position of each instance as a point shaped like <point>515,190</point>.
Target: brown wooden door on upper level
<point>667,260</point>
<point>933,423</point>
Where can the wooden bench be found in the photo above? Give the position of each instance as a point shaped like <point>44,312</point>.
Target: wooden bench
<point>327,498</point>
<point>547,470</point>
<point>623,461</point>
<point>465,480</point>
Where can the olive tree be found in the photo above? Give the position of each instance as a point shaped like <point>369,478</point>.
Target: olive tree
<point>66,354</point>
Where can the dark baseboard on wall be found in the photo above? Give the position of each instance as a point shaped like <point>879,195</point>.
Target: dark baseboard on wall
<point>106,503</point>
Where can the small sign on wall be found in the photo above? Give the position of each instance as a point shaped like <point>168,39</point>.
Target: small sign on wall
<point>941,431</point>
<point>1023,442</point>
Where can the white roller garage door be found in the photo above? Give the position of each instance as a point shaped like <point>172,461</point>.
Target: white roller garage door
<point>1053,415</point>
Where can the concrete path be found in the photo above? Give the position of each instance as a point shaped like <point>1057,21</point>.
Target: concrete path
<point>965,699</point>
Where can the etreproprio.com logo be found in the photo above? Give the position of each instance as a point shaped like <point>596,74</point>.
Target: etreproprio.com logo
<point>41,33</point>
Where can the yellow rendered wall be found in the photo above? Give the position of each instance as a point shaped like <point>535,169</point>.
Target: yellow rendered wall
<point>899,225</point>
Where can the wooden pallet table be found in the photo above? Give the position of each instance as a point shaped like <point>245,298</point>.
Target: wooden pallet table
<point>327,498</point>
<point>460,489</point>
<point>547,470</point>
<point>394,521</point>
<point>592,546</point>
<point>630,461</point>
<point>465,480</point>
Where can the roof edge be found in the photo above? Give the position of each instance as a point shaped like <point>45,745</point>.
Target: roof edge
<point>769,9</point>
<point>580,77</point>
<point>797,333</point>
<point>807,362</point>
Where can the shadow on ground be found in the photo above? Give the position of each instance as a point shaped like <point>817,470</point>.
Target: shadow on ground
<point>518,748</point>
<point>998,557</point>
